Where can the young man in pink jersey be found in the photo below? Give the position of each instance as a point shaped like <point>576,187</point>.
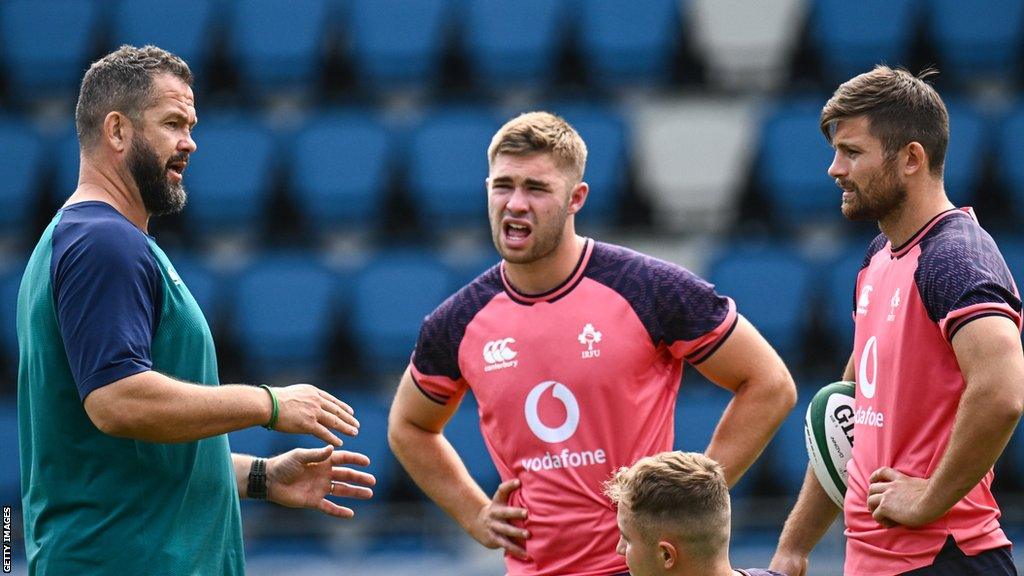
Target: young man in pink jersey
<point>674,517</point>
<point>574,350</point>
<point>937,352</point>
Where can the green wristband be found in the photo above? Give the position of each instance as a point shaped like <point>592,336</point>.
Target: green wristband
<point>274,410</point>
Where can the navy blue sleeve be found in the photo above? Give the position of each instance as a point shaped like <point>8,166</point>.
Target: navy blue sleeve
<point>961,269</point>
<point>674,304</point>
<point>107,292</point>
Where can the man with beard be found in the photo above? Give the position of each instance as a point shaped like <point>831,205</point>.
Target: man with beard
<point>125,464</point>
<point>937,352</point>
<point>574,350</point>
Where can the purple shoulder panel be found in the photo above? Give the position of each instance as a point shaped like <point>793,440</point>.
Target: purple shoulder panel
<point>437,348</point>
<point>960,265</point>
<point>672,303</point>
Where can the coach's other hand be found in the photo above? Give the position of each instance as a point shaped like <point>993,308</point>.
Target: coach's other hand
<point>897,499</point>
<point>305,409</point>
<point>306,477</point>
<point>494,527</point>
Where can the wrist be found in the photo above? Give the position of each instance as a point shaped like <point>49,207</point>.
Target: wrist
<point>275,407</point>
<point>257,487</point>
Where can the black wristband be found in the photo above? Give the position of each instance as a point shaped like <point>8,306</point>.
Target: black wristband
<point>257,488</point>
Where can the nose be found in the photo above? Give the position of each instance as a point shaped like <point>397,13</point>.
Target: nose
<point>187,144</point>
<point>517,201</point>
<point>838,168</point>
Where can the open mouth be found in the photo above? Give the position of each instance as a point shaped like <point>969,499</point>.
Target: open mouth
<point>517,231</point>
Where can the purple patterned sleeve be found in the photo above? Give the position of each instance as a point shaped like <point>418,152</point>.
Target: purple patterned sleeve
<point>960,267</point>
<point>674,304</point>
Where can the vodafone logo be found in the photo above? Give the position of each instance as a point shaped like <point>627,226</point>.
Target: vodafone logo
<point>572,409</point>
<point>498,354</point>
<point>868,356</point>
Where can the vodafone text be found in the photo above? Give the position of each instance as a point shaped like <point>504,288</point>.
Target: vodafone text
<point>565,459</point>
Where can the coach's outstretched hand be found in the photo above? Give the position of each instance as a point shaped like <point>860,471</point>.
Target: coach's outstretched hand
<point>494,527</point>
<point>306,409</point>
<point>305,477</point>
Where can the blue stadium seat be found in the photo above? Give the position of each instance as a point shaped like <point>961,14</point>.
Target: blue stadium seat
<point>284,311</point>
<point>794,163</point>
<point>392,296</point>
<point>45,45</point>
<point>279,46</point>
<point>513,42</point>
<point>629,43</point>
<point>968,143</point>
<point>448,167</point>
<point>65,152</point>
<point>786,454</point>
<point>1010,159</point>
<point>699,407</point>
<point>398,43</point>
<point>605,132</point>
<point>10,467</point>
<point>463,431</point>
<point>976,39</point>
<point>256,441</point>
<point>340,171</point>
<point>21,163</point>
<point>187,34</point>
<point>229,179</point>
<point>10,282</point>
<point>838,296</point>
<point>852,37</point>
<point>771,287</point>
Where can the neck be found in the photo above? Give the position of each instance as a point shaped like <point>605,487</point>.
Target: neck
<point>921,206</point>
<point>108,184</point>
<point>542,275</point>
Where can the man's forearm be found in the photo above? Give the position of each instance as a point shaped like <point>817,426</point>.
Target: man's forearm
<point>156,408</point>
<point>812,515</point>
<point>749,422</point>
<point>437,469</point>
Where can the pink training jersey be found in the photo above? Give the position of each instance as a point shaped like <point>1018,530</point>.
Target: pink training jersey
<point>571,385</point>
<point>909,303</point>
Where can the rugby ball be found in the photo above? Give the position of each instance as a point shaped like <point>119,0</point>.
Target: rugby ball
<point>828,430</point>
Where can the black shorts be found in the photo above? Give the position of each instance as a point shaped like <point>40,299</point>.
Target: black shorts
<point>951,561</point>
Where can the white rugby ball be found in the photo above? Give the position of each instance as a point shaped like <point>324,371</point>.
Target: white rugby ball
<point>828,429</point>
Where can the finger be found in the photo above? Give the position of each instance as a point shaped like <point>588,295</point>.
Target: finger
<point>310,455</point>
<point>330,398</point>
<point>884,474</point>
<point>510,531</point>
<point>353,476</point>
<point>507,513</point>
<point>873,502</point>
<point>328,419</point>
<point>332,509</point>
<point>510,546</point>
<point>505,489</point>
<point>344,490</point>
<point>324,434</point>
<point>342,457</point>
<point>878,487</point>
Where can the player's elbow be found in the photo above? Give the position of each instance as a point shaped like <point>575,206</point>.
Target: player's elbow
<point>106,416</point>
<point>779,390</point>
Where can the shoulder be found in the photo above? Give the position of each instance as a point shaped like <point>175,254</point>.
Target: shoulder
<point>627,271</point>
<point>874,247</point>
<point>459,308</point>
<point>94,231</point>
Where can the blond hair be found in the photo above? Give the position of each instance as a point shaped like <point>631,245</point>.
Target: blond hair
<point>541,132</point>
<point>683,493</point>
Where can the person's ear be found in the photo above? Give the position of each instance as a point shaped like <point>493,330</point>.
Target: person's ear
<point>116,131</point>
<point>578,197</point>
<point>668,556</point>
<point>916,159</point>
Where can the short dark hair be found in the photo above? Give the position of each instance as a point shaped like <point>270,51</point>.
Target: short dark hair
<point>122,81</point>
<point>901,108</point>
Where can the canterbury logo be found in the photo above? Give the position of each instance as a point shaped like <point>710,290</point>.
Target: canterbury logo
<point>498,354</point>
